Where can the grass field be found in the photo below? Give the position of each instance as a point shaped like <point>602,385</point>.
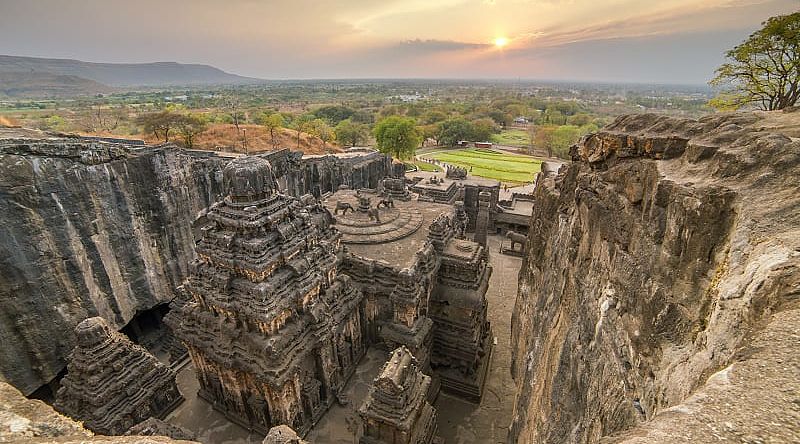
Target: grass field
<point>512,137</point>
<point>508,168</point>
<point>425,166</point>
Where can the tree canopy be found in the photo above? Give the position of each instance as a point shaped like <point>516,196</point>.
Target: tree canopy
<point>453,130</point>
<point>397,136</point>
<point>764,70</point>
<point>350,133</point>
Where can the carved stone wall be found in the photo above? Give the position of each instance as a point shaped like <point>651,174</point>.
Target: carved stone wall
<point>105,229</point>
<point>396,410</point>
<point>272,329</point>
<point>113,384</point>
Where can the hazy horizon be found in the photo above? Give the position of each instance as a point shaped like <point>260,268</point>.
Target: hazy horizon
<point>674,42</point>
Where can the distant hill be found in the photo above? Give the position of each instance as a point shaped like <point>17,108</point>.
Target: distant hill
<point>39,85</point>
<point>122,74</point>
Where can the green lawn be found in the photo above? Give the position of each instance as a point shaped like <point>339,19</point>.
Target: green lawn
<point>509,168</point>
<point>512,137</point>
<point>425,166</point>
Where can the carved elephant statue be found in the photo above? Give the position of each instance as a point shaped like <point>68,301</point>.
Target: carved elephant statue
<point>343,206</point>
<point>374,215</point>
<point>387,203</point>
<point>516,238</point>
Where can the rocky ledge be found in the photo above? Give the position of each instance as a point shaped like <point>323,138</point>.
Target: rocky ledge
<point>660,297</point>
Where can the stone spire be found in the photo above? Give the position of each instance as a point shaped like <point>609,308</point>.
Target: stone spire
<point>396,410</point>
<point>482,221</point>
<point>272,331</point>
<point>113,384</point>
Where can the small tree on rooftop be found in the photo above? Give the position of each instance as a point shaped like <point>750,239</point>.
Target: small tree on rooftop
<point>764,70</point>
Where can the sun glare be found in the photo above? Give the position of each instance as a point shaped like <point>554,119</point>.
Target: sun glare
<point>500,42</point>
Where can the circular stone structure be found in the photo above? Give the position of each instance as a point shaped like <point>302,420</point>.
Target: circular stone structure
<point>357,228</point>
<point>92,332</point>
<point>248,179</point>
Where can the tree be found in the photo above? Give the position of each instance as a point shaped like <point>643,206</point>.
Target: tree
<point>482,129</point>
<point>321,129</point>
<point>190,125</point>
<point>301,124</point>
<point>397,136</point>
<point>273,123</point>
<point>542,137</point>
<point>454,130</point>
<point>351,133</point>
<point>764,70</point>
<point>334,113</point>
<point>160,123</point>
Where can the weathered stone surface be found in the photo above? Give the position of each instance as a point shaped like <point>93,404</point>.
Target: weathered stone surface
<point>396,410</point>
<point>157,427</point>
<point>21,418</point>
<point>91,228</point>
<point>282,434</point>
<point>25,421</point>
<point>113,384</point>
<point>273,331</point>
<point>659,292</point>
<point>79,240</point>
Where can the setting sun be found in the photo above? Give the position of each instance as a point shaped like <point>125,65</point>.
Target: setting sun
<point>500,42</point>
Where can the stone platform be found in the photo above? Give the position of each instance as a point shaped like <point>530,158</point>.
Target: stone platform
<point>357,228</point>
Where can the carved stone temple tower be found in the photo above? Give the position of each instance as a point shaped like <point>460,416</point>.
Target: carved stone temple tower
<point>396,410</point>
<point>113,384</point>
<point>272,329</point>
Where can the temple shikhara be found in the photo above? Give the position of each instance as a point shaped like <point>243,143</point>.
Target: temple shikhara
<point>272,327</point>
<point>113,384</point>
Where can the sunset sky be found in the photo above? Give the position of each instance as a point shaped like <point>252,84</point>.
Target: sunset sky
<point>668,41</point>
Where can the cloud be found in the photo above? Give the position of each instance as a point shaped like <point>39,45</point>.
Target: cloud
<point>433,45</point>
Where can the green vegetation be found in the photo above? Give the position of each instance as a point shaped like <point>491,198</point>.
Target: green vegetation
<point>509,168</point>
<point>425,166</point>
<point>512,137</point>
<point>765,69</point>
<point>557,139</point>
<point>397,136</point>
<point>349,133</point>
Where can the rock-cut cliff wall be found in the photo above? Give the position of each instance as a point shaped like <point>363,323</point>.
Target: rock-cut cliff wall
<point>88,229</point>
<point>105,229</point>
<point>658,301</point>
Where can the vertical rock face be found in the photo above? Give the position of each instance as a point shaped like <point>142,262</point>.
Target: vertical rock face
<point>653,260</point>
<point>273,331</point>
<point>88,229</point>
<point>396,410</point>
<point>112,383</point>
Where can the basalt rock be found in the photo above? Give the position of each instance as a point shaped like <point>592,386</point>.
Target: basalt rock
<point>658,300</point>
<point>273,331</point>
<point>29,421</point>
<point>396,410</point>
<point>89,229</point>
<point>92,227</point>
<point>113,384</point>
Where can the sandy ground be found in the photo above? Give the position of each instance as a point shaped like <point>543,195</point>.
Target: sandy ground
<point>459,421</point>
